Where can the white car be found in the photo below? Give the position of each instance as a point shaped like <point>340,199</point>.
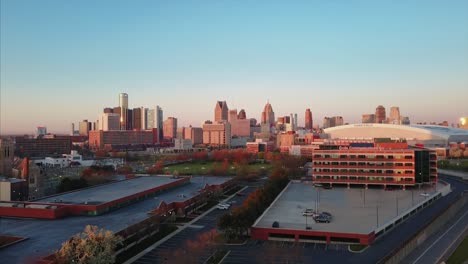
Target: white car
<point>310,212</point>
<point>222,206</point>
<point>424,194</point>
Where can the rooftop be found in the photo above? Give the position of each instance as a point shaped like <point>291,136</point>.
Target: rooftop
<point>354,210</point>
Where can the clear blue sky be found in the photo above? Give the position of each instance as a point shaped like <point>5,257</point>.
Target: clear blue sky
<point>63,61</point>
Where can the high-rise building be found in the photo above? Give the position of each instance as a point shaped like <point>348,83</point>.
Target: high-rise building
<point>242,114</point>
<point>239,127</point>
<point>295,122</point>
<point>380,116</point>
<point>195,134</point>
<point>332,121</point>
<point>159,122</point>
<point>41,131</point>
<point>84,127</point>
<point>268,116</point>
<point>123,104</point>
<point>217,134</point>
<point>7,149</point>
<point>308,119</point>
<point>395,117</point>
<point>139,119</point>
<point>43,147</point>
<point>368,118</point>
<point>170,128</point>
<point>109,121</point>
<point>232,116</point>
<point>221,111</point>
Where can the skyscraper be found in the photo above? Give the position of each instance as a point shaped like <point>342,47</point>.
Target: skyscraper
<point>368,118</point>
<point>242,114</point>
<point>123,104</point>
<point>268,116</point>
<point>308,119</point>
<point>109,121</point>
<point>221,111</point>
<point>159,122</point>
<point>170,128</point>
<point>380,116</point>
<point>84,127</point>
<point>395,117</point>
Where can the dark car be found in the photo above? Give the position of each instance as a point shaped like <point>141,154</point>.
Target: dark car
<point>327,186</point>
<point>327,214</point>
<point>275,224</point>
<point>322,219</point>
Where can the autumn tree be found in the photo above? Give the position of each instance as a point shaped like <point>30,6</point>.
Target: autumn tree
<point>93,246</point>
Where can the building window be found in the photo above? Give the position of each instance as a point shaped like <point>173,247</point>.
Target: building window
<point>362,178</point>
<point>343,177</point>
<point>362,156</point>
<point>408,157</point>
<point>344,163</point>
<point>343,156</point>
<point>389,179</point>
<point>352,178</point>
<point>352,156</point>
<point>389,156</point>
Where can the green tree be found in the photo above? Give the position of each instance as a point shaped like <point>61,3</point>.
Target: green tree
<point>93,246</point>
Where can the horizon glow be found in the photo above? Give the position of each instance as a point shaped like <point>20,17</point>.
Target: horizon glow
<point>62,62</point>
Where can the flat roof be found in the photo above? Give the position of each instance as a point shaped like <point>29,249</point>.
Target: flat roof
<point>110,192</point>
<point>45,236</point>
<point>354,210</point>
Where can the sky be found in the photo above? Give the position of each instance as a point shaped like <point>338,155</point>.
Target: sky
<point>64,61</point>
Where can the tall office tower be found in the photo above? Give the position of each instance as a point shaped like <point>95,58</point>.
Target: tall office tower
<point>395,117</point>
<point>138,118</point>
<point>41,131</point>
<point>170,128</point>
<point>72,129</point>
<point>308,119</point>
<point>221,111</point>
<point>195,134</point>
<point>242,114</point>
<point>295,122</point>
<point>380,116</point>
<point>151,118</point>
<point>326,122</point>
<point>253,122</point>
<point>268,116</point>
<point>232,115</point>
<point>217,134</point>
<point>109,121</point>
<point>337,121</point>
<point>368,118</point>
<point>159,122</point>
<point>7,149</point>
<point>84,127</point>
<point>123,104</point>
<point>108,110</point>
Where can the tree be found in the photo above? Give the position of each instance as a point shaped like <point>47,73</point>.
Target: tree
<point>93,246</point>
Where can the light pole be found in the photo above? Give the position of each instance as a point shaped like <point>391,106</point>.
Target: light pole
<point>377,214</point>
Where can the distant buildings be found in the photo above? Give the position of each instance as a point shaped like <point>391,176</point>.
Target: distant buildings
<point>41,131</point>
<point>217,134</point>
<point>99,139</point>
<point>239,127</point>
<point>395,117</point>
<point>170,128</point>
<point>194,134</point>
<point>41,147</point>
<point>7,149</point>
<point>124,113</point>
<point>109,121</point>
<point>268,116</point>
<point>463,123</point>
<point>380,116</point>
<point>242,114</point>
<point>84,127</point>
<point>221,111</point>
<point>332,121</point>
<point>308,120</point>
<point>368,118</point>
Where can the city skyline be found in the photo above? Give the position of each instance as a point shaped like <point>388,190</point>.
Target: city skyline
<point>69,61</point>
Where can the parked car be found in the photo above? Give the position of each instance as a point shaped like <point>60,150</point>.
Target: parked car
<point>322,219</point>
<point>223,206</point>
<point>275,224</point>
<point>326,214</point>
<point>424,194</point>
<point>327,186</point>
<point>310,212</point>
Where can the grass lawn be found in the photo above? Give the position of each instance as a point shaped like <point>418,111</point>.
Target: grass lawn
<point>461,253</point>
<point>202,168</point>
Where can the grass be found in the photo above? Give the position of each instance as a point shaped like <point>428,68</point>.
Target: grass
<point>461,253</point>
<point>202,168</point>
<point>357,248</point>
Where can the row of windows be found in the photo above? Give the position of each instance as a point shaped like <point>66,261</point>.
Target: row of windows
<point>362,178</point>
<point>363,156</point>
<point>361,163</point>
<point>365,171</point>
